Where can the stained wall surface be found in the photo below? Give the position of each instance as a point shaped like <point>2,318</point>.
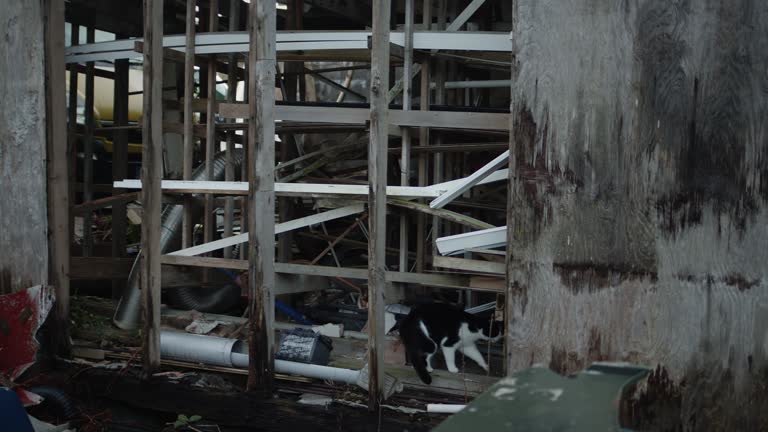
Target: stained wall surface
<point>23,209</point>
<point>640,227</point>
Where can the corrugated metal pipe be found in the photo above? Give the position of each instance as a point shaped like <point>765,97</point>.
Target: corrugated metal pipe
<point>224,352</point>
<point>128,313</point>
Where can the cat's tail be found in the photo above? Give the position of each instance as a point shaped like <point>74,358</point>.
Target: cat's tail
<point>412,339</point>
<point>419,361</point>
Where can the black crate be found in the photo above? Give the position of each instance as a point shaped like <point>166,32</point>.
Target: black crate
<point>304,346</point>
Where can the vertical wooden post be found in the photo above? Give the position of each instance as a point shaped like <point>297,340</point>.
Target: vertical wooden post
<point>90,124</point>
<point>405,156</point>
<point>229,168</point>
<point>189,136</point>
<point>57,169</point>
<point>151,173</point>
<point>72,132</point>
<point>377,199</point>
<point>291,74</point>
<point>120,166</point>
<point>439,158</point>
<point>261,193</point>
<point>245,166</point>
<point>211,143</point>
<point>423,140</point>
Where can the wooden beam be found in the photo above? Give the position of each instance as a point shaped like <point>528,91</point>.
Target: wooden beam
<point>151,174</point>
<point>487,238</point>
<point>90,123</point>
<point>72,135</point>
<point>421,219</point>
<point>427,279</point>
<point>455,148</point>
<point>468,182</point>
<point>441,213</point>
<point>334,115</point>
<point>261,194</point>
<point>405,154</point>
<point>211,142</point>
<point>377,200</point>
<point>279,228</point>
<point>464,16</point>
<point>57,171</point>
<point>304,189</point>
<point>120,168</point>
<point>469,265</point>
<point>229,167</point>
<point>189,134</point>
<point>282,189</point>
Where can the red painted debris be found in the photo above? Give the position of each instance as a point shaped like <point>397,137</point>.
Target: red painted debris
<point>21,315</point>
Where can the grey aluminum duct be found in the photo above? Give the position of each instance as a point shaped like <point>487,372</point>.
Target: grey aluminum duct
<point>128,313</point>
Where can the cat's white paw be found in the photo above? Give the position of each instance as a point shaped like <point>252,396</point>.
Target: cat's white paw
<point>453,369</point>
<point>429,369</point>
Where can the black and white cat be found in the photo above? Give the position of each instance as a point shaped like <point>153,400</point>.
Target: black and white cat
<point>441,325</point>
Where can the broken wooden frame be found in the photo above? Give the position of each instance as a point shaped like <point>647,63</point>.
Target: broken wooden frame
<point>261,176</point>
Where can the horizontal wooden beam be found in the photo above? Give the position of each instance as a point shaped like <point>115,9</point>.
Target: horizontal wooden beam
<point>399,118</point>
<point>427,279</point>
<point>281,189</point>
<point>469,265</point>
<point>305,189</point>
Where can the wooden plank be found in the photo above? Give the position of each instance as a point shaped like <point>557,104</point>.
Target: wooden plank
<point>211,142</point>
<point>468,182</point>
<point>261,194</point>
<point>421,220</point>
<point>426,279</point>
<point>469,265</point>
<point>120,167</point>
<point>464,16</point>
<point>90,123</point>
<point>229,167</point>
<point>487,238</point>
<point>72,134</point>
<point>334,115</point>
<point>151,174</point>
<point>189,134</point>
<point>279,228</point>
<point>57,171</point>
<point>377,200</point>
<point>441,213</point>
<point>405,154</point>
<point>113,201</point>
<point>282,189</point>
<point>455,148</point>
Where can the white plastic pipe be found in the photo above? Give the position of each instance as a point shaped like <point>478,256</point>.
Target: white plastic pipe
<point>222,352</point>
<point>444,408</point>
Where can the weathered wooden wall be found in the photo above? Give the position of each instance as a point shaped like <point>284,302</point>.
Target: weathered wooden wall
<point>23,208</point>
<point>641,156</point>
